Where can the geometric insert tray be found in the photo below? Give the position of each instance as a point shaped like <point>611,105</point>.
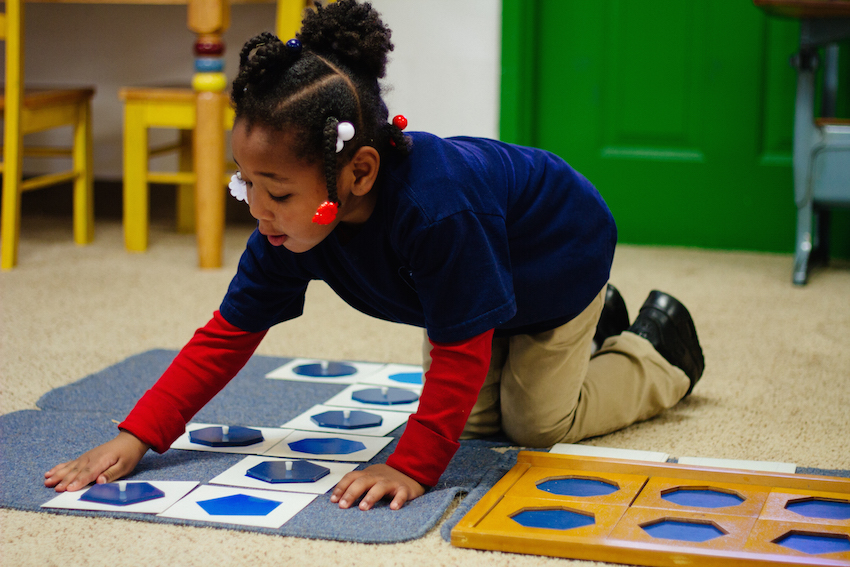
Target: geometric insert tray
<point>660,514</point>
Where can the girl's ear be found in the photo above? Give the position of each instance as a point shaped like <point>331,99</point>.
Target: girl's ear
<point>363,169</point>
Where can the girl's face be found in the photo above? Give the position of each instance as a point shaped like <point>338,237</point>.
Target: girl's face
<point>284,192</point>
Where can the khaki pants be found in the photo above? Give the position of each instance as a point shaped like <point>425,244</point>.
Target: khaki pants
<point>546,388</point>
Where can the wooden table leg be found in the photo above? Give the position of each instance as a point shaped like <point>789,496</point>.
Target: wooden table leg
<point>209,19</point>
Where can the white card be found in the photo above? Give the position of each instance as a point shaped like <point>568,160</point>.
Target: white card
<point>271,509</point>
<point>371,446</point>
<point>765,466</point>
<point>174,491</point>
<point>271,437</point>
<point>608,452</point>
<point>299,369</point>
<point>389,421</point>
<point>344,399</point>
<point>237,476</point>
<point>399,375</point>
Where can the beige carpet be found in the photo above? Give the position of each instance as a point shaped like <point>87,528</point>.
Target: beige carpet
<point>776,387</point>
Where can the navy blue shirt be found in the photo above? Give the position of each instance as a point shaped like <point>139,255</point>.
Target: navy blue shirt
<point>467,235</point>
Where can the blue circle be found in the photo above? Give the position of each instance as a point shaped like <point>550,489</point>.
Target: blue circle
<point>407,377</point>
<point>330,370</point>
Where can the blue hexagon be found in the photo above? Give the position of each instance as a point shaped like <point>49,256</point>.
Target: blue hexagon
<point>701,497</point>
<point>815,543</point>
<point>407,377</point>
<point>325,370</point>
<point>683,530</point>
<point>553,519</point>
<point>277,472</point>
<point>238,505</point>
<point>226,436</point>
<point>578,486</point>
<point>327,446</point>
<point>112,493</point>
<point>825,508</point>
<point>385,396</point>
<point>346,419</point>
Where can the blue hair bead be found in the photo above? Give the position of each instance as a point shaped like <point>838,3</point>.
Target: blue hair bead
<point>294,45</point>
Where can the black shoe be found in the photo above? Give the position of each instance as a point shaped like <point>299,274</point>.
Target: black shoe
<point>665,322</point>
<point>614,319</point>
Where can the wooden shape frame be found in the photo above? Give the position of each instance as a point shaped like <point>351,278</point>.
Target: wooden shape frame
<point>488,525</point>
<point>765,533</point>
<point>753,497</point>
<point>628,486</point>
<point>775,507</point>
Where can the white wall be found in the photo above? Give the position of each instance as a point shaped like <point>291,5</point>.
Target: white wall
<point>444,73</point>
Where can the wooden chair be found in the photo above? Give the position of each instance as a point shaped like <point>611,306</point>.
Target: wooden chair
<point>171,108</point>
<point>30,111</point>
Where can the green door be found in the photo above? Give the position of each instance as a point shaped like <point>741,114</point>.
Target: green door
<point>679,111</point>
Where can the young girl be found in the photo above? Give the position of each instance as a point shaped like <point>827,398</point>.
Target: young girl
<point>501,253</point>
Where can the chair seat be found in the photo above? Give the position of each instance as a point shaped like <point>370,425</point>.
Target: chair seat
<point>35,99</point>
<point>166,93</point>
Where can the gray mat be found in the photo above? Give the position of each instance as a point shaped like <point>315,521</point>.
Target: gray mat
<point>79,416</point>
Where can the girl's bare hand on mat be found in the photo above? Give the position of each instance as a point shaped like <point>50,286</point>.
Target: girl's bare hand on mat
<point>105,463</point>
<point>376,482</point>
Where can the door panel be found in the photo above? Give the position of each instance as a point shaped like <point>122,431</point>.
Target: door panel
<point>680,113</point>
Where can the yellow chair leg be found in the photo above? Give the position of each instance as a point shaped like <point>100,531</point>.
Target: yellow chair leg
<point>84,183</point>
<point>135,180</point>
<point>186,192</point>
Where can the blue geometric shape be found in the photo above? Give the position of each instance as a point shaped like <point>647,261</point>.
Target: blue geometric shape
<point>385,396</point>
<point>277,472</point>
<point>815,543</point>
<point>820,508</point>
<point>683,530</point>
<point>347,419</point>
<point>238,505</point>
<point>701,497</point>
<point>584,487</point>
<point>327,446</point>
<point>111,493</point>
<point>558,519</point>
<point>235,436</point>
<point>407,377</point>
<point>325,370</point>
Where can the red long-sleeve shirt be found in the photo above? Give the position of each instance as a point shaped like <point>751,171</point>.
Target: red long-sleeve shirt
<point>219,350</point>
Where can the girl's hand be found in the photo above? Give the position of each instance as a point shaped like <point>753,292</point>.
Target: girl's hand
<point>376,481</point>
<point>106,463</point>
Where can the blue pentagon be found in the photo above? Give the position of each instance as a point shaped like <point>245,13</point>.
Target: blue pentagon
<point>577,486</point>
<point>824,508</point>
<point>407,377</point>
<point>238,505</point>
<point>329,446</point>
<point>815,543</point>
<point>347,419</point>
<point>385,396</point>
<point>553,519</point>
<point>111,493</point>
<point>277,472</point>
<point>325,370</point>
<point>683,530</point>
<point>235,436</point>
<point>702,497</point>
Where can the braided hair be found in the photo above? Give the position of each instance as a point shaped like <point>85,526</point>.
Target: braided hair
<point>329,75</point>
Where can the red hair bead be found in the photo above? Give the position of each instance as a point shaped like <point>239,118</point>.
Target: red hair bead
<point>400,122</point>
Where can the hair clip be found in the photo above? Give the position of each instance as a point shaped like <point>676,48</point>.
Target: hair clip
<point>238,188</point>
<point>294,45</point>
<point>326,213</point>
<point>345,132</point>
